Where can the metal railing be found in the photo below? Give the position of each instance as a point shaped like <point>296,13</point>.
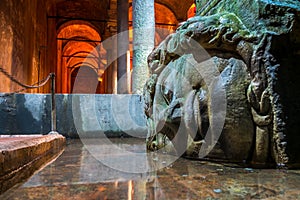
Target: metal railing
<point>35,86</point>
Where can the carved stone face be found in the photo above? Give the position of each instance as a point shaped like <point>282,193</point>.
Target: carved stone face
<point>200,3</point>
<point>197,2</point>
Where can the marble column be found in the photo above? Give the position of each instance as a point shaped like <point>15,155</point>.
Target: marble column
<point>143,41</point>
<point>123,45</point>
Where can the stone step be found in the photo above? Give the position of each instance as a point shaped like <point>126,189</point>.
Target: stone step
<point>21,156</point>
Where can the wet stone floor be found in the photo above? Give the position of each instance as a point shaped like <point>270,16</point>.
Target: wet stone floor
<point>78,174</point>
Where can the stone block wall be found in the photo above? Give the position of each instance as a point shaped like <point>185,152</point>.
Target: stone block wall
<point>77,115</point>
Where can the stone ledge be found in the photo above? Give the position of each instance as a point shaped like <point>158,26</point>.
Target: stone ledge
<point>114,115</point>
<point>21,156</point>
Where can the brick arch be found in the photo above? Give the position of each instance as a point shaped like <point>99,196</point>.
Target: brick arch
<point>179,8</point>
<point>77,42</point>
<point>165,19</point>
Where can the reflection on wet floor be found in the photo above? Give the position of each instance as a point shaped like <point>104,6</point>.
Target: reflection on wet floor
<point>76,174</point>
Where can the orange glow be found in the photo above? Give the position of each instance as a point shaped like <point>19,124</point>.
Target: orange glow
<point>101,188</point>
<point>192,11</point>
<point>116,184</point>
<point>78,45</point>
<point>128,72</point>
<point>164,15</point>
<point>165,19</point>
<point>80,29</point>
<point>130,190</point>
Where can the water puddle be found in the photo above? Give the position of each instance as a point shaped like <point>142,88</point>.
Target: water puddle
<point>77,175</point>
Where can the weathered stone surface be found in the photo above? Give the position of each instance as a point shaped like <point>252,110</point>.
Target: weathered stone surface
<point>114,115</point>
<point>108,115</point>
<point>261,36</point>
<point>238,132</point>
<point>143,43</point>
<point>22,30</point>
<point>21,156</point>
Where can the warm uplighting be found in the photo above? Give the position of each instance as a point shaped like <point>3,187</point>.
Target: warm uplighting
<point>130,190</point>
<point>116,184</point>
<point>192,11</point>
<point>165,19</point>
<point>128,71</point>
<point>78,44</point>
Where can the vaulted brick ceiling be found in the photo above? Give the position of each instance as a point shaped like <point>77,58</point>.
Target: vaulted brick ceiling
<point>81,24</point>
<point>179,7</point>
<point>92,10</point>
<point>80,8</point>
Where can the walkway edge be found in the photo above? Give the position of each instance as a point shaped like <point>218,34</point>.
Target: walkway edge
<point>21,156</point>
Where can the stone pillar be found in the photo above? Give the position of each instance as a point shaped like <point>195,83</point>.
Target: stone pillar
<point>111,71</point>
<point>123,45</point>
<point>143,41</point>
<point>58,76</point>
<point>109,79</point>
<point>114,78</point>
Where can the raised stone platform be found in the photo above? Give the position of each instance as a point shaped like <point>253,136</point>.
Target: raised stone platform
<point>112,115</point>
<point>21,156</point>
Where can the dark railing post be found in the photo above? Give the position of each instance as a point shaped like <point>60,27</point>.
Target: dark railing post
<point>53,106</point>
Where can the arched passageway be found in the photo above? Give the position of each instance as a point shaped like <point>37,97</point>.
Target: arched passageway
<point>78,44</point>
<point>84,79</point>
<point>56,35</point>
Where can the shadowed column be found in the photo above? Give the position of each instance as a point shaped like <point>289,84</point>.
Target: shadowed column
<point>123,44</point>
